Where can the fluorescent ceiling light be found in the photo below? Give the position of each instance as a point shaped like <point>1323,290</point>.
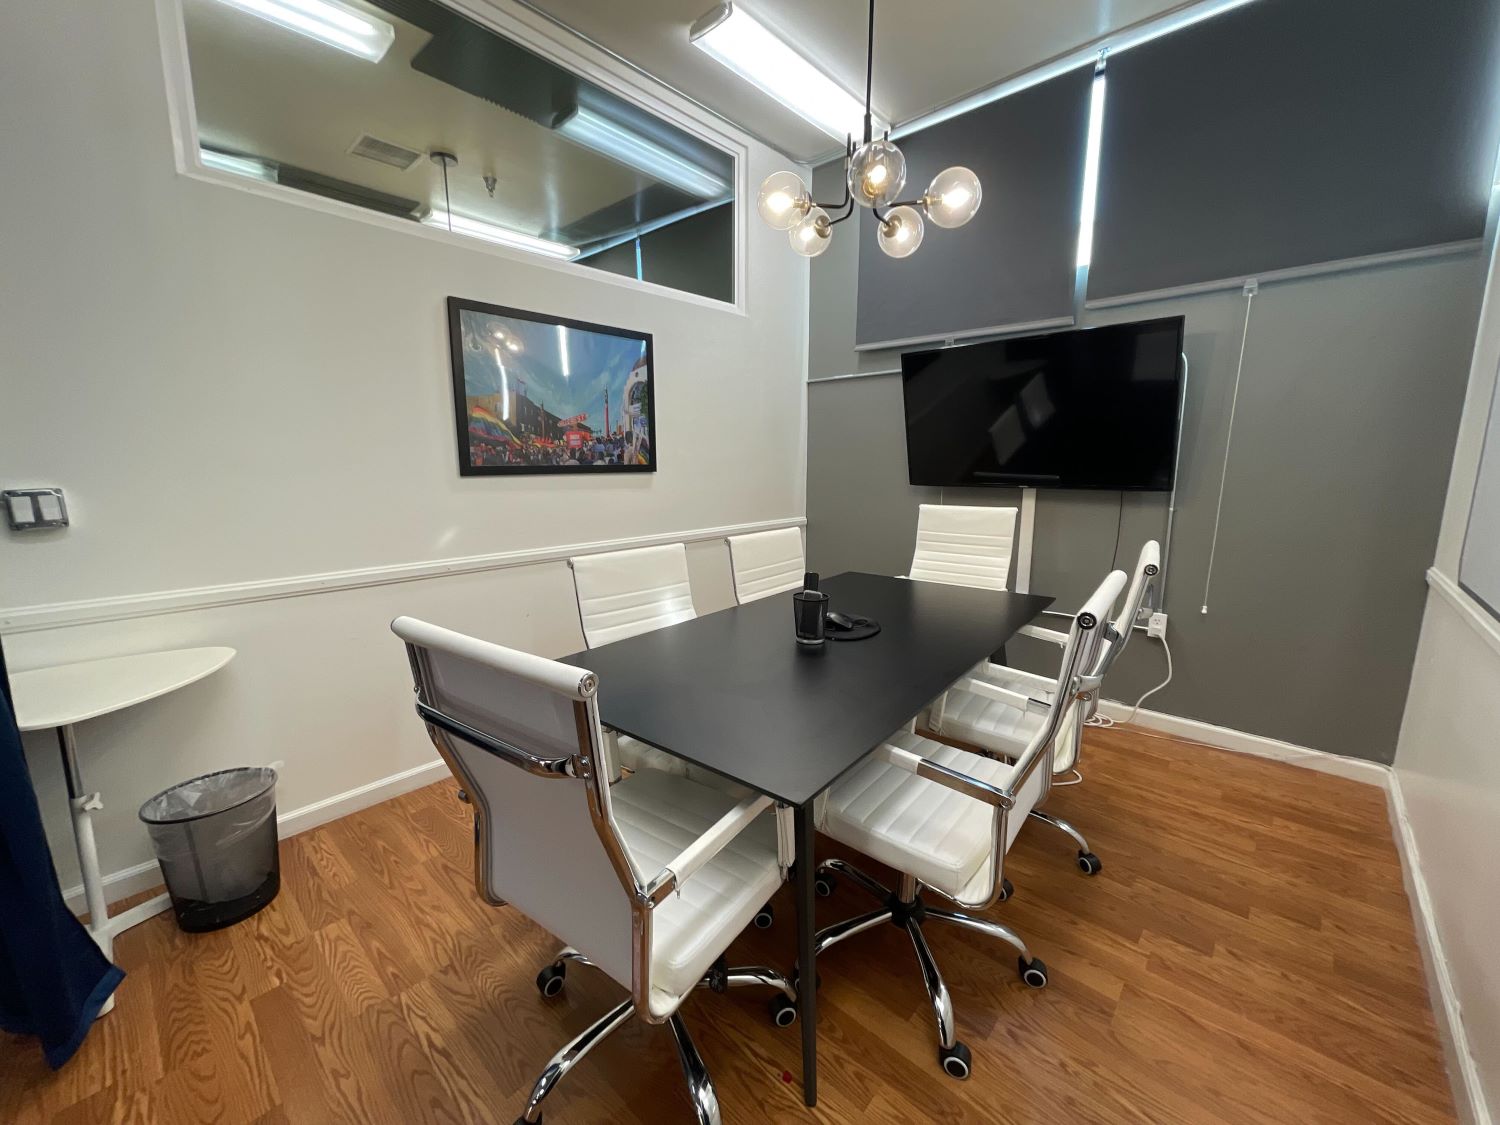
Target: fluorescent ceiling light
<point>489,232</point>
<point>328,21</point>
<point>595,131</point>
<point>743,44</point>
<point>562,351</point>
<point>238,165</point>
<point>1091,173</point>
<point>1084,56</point>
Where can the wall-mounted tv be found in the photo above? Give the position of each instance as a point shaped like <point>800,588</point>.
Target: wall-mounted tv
<point>534,393</point>
<point>1089,408</point>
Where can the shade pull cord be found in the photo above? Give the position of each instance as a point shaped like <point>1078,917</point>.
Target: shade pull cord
<point>1252,287</point>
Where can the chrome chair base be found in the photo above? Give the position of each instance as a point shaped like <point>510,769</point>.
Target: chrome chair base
<point>1088,862</point>
<point>550,983</point>
<point>907,910</point>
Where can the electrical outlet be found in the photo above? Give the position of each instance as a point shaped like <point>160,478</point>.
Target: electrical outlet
<point>1157,626</point>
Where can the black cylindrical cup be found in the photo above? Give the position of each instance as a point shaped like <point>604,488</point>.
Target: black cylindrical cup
<point>808,607</point>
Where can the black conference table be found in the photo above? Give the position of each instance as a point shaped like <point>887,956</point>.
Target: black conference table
<point>733,692</point>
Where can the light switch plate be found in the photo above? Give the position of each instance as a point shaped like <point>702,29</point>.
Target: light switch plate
<point>34,509</point>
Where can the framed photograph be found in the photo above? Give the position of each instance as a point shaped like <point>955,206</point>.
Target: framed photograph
<point>542,394</point>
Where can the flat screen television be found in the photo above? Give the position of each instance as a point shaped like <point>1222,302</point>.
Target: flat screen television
<point>1089,408</point>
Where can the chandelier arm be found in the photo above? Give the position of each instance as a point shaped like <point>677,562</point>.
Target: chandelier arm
<point>848,211</point>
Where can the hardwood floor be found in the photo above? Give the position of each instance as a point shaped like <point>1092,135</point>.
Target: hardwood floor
<point>1246,955</point>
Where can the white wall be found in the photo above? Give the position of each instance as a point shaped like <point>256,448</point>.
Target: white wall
<point>236,390</point>
<point>1448,757</point>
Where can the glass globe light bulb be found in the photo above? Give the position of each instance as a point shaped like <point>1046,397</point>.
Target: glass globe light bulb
<point>812,233</point>
<point>901,232</point>
<point>952,198</point>
<point>783,200</point>
<point>877,173</point>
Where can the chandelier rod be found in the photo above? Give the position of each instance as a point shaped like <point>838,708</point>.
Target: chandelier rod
<point>869,71</point>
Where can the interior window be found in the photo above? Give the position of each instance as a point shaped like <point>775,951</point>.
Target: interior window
<point>358,100</point>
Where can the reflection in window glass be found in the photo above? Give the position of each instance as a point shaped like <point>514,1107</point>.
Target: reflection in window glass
<point>349,99</point>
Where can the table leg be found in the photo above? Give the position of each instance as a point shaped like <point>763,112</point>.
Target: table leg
<point>82,806</point>
<point>807,990</point>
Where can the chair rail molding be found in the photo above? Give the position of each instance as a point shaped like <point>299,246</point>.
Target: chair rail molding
<point>57,615</point>
<point>1466,607</point>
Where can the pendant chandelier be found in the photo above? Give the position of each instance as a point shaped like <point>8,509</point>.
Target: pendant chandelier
<point>874,174</point>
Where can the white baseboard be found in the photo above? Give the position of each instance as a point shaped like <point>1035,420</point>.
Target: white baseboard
<point>1225,738</point>
<point>1463,1072</point>
<point>145,876</point>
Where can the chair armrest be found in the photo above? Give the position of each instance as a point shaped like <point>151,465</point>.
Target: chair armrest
<point>1005,695</point>
<point>1040,634</point>
<point>990,673</point>
<point>947,776</point>
<point>686,863</point>
<point>786,837</point>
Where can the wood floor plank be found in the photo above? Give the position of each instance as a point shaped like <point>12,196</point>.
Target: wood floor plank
<point>1246,955</point>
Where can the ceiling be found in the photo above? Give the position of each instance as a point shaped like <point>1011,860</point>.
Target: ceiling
<point>926,54</point>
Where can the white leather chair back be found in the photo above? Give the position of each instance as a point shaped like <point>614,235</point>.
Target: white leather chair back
<point>521,734</point>
<point>964,546</point>
<point>766,563</point>
<point>624,593</point>
<point>1147,567</point>
<point>1086,641</point>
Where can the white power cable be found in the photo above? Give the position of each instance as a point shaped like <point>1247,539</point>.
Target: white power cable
<point>1251,288</point>
<point>1131,717</point>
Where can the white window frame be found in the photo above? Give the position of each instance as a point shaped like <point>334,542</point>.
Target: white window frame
<point>537,34</point>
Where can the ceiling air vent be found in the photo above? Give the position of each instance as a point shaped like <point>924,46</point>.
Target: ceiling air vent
<point>384,152</point>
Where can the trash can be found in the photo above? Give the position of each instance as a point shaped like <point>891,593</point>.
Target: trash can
<point>215,838</point>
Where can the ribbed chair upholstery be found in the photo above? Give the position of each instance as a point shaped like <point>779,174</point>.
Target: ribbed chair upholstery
<point>648,880</point>
<point>766,563</point>
<point>944,818</point>
<point>1004,730</point>
<point>622,594</point>
<point>964,546</point>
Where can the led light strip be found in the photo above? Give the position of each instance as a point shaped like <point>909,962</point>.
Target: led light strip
<point>489,232</point>
<point>746,46</point>
<point>595,131</point>
<point>328,21</point>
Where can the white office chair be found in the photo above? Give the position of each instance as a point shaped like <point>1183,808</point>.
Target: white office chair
<point>944,818</point>
<point>766,563</point>
<point>998,728</point>
<point>622,594</point>
<point>648,880</point>
<point>964,546</point>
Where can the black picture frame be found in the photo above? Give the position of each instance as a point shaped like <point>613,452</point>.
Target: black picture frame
<point>467,467</point>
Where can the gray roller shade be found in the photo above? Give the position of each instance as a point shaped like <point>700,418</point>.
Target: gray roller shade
<point>1013,263</point>
<point>1293,132</point>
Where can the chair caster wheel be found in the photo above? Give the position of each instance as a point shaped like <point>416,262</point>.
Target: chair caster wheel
<point>783,1011</point>
<point>825,884</point>
<point>1089,863</point>
<point>523,1121</point>
<point>549,982</point>
<point>1007,889</point>
<point>956,1060</point>
<point>1033,972</point>
<point>765,917</point>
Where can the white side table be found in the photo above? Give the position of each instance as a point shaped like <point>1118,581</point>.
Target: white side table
<point>66,694</point>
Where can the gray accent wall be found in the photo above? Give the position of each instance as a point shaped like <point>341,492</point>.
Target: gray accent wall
<point>1352,390</point>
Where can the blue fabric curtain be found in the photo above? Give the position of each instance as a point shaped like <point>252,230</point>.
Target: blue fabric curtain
<point>53,977</point>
